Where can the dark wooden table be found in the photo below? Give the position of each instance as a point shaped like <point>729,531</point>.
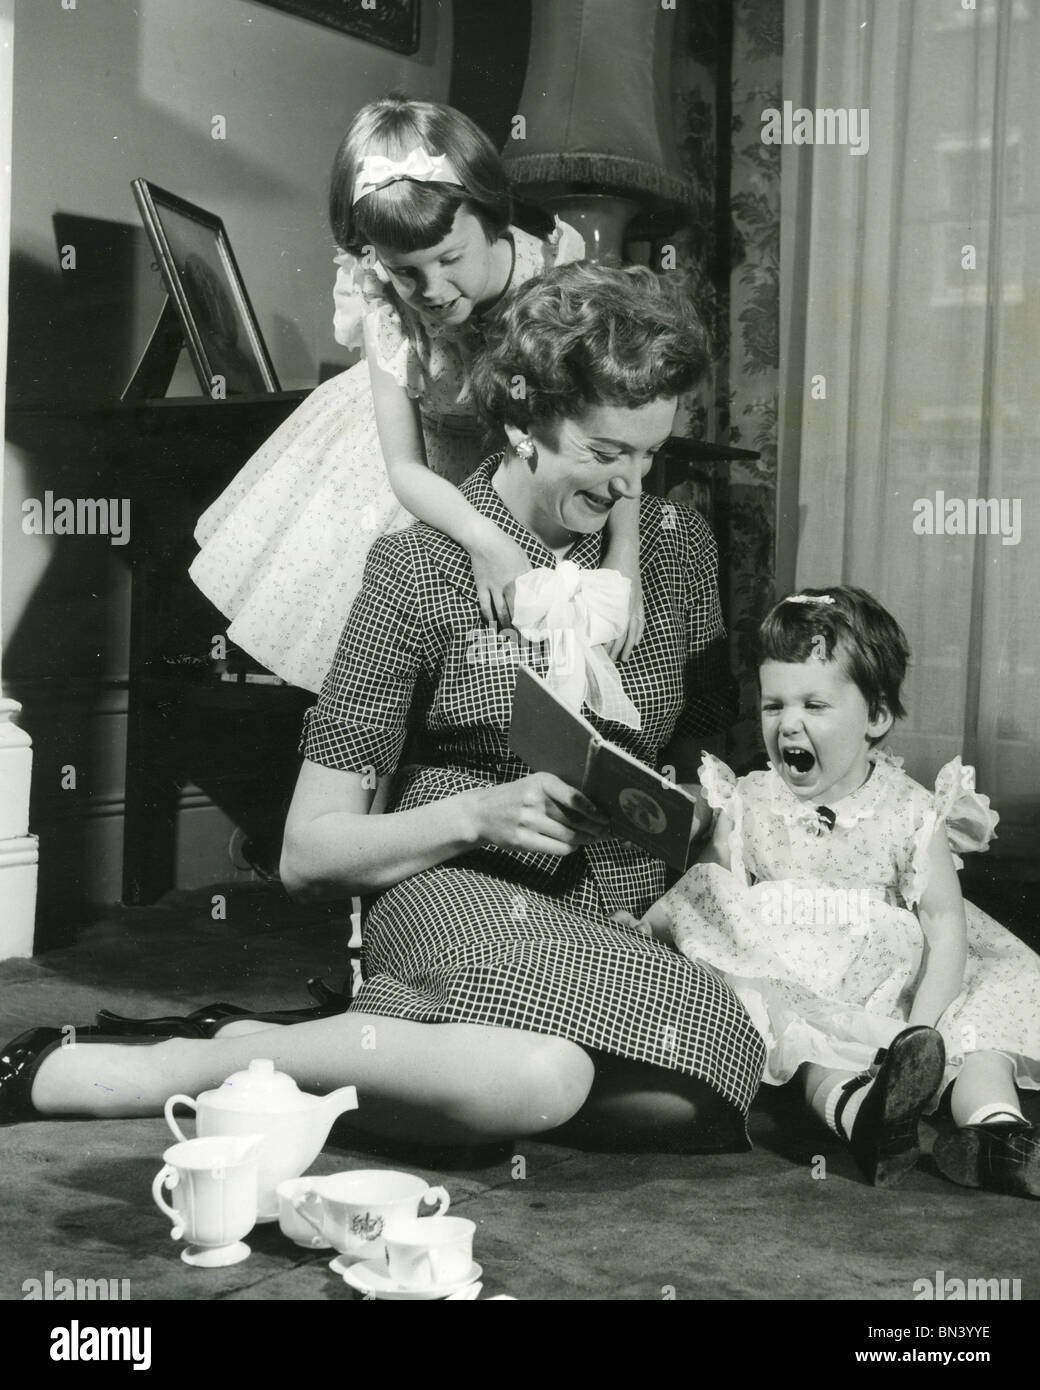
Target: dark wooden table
<point>185,725</point>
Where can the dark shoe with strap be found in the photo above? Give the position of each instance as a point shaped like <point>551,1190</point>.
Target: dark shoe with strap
<point>884,1138</point>
<point>20,1060</point>
<point>205,1022</point>
<point>1002,1157</point>
<point>114,1027</point>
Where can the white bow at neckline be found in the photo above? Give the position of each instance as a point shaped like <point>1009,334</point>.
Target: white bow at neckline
<point>576,611</point>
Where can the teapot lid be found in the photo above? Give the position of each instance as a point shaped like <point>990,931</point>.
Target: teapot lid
<point>259,1087</point>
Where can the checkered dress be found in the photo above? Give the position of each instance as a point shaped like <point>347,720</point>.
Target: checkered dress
<point>421,690</point>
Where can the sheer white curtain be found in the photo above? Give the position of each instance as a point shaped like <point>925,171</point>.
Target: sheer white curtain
<point>931,369</point>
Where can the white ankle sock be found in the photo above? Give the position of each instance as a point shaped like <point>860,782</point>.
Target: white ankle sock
<point>825,1104</point>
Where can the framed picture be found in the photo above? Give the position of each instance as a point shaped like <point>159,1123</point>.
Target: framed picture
<point>206,295</point>
<point>390,23</point>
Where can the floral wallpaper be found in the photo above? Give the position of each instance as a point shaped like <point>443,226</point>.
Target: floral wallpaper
<point>724,77</point>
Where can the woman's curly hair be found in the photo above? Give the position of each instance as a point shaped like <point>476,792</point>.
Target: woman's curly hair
<point>588,334</point>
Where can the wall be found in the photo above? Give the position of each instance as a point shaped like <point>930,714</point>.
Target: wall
<point>117,89</point>
<point>105,92</point>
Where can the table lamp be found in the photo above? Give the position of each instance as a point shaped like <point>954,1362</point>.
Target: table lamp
<point>597,143</point>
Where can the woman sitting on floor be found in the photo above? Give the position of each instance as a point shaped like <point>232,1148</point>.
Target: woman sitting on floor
<point>496,886</point>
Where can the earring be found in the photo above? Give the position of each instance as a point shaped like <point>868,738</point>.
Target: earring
<point>525,450</point>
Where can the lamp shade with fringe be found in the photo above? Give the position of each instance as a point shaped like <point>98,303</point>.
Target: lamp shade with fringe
<point>597,143</point>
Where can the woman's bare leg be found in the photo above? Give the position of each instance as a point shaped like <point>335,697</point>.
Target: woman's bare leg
<point>436,1083</point>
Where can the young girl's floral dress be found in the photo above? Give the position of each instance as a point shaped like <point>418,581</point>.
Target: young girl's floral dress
<point>815,930</point>
<point>284,546</point>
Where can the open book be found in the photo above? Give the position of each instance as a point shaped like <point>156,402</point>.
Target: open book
<point>642,805</point>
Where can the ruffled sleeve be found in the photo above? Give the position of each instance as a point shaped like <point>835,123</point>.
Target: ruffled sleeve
<point>969,820</point>
<point>722,793</point>
<point>564,244</point>
<point>718,782</point>
<point>395,351</point>
<point>357,292</point>
<point>361,297</point>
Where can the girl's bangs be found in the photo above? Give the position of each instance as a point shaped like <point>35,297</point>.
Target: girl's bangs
<point>792,632</point>
<point>408,216</point>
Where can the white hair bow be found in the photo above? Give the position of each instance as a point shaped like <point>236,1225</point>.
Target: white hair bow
<point>576,611</point>
<point>376,170</point>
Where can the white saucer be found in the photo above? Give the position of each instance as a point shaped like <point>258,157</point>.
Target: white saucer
<point>370,1277</point>
<point>215,1257</point>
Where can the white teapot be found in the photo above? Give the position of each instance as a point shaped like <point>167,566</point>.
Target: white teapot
<point>263,1101</point>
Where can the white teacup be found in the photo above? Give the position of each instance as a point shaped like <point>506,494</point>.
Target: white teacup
<point>293,1225</point>
<point>355,1211</point>
<point>425,1254</point>
<point>214,1188</point>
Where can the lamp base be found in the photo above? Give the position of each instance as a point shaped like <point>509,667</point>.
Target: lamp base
<point>601,218</point>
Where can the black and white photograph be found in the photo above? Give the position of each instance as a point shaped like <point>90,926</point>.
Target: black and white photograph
<point>682,354</point>
<point>198,267</point>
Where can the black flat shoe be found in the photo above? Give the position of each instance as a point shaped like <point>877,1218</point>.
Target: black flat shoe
<point>884,1139</point>
<point>193,1025</point>
<point>997,1157</point>
<point>205,1022</point>
<point>20,1061</point>
<point>113,1026</point>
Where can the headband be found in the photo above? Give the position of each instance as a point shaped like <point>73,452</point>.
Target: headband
<point>377,171</point>
<point>808,598</point>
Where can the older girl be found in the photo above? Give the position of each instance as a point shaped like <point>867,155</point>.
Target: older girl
<point>420,206</point>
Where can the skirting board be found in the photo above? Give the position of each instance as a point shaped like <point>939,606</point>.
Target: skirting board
<point>18,862</point>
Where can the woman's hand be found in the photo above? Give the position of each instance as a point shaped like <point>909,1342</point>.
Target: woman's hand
<point>656,923</point>
<point>539,813</point>
<point>498,561</point>
<point>628,919</point>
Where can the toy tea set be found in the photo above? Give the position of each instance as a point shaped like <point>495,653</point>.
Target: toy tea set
<point>255,1135</point>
